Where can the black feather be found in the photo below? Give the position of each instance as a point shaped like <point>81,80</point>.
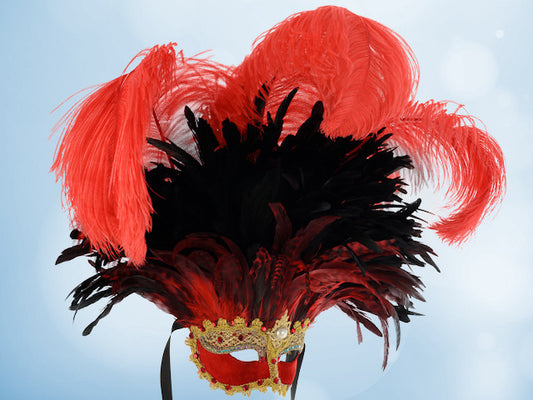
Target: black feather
<point>233,190</point>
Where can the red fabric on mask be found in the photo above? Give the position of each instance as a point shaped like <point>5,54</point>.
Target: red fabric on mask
<point>228,370</point>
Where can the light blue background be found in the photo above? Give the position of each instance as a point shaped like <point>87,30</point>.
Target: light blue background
<point>476,340</point>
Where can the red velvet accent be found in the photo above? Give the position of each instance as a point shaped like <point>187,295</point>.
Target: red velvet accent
<point>228,370</point>
<point>287,371</point>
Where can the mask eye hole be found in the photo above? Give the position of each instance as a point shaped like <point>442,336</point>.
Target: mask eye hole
<point>245,355</point>
<point>290,356</point>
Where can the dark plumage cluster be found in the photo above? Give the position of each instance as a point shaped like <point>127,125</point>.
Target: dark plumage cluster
<point>266,223</point>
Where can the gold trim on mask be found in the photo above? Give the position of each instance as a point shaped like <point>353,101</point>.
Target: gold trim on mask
<point>226,337</point>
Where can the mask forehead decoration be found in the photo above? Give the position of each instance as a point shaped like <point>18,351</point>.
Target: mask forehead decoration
<point>244,201</point>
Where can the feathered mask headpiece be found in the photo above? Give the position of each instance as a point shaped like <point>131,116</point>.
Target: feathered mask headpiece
<point>246,200</point>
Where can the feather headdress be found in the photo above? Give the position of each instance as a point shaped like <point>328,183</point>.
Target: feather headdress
<point>246,200</point>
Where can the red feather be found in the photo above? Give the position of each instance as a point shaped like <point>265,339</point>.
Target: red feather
<point>449,145</point>
<point>100,158</point>
<point>362,71</point>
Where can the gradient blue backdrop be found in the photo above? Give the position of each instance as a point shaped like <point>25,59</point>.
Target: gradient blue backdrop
<point>476,340</point>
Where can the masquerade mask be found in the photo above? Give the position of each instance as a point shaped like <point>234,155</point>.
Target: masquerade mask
<point>212,344</point>
<point>246,200</point>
